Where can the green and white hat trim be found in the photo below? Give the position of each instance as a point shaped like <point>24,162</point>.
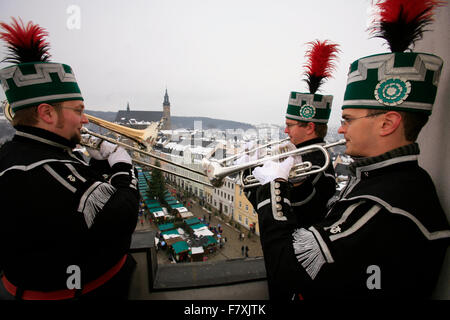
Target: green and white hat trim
<point>308,107</point>
<point>30,84</point>
<point>394,81</point>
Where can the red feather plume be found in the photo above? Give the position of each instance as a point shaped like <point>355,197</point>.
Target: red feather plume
<point>402,22</point>
<point>321,63</point>
<point>25,43</point>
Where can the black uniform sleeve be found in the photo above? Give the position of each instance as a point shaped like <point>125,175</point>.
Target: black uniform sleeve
<point>309,199</point>
<point>277,222</point>
<point>112,203</point>
<point>121,209</point>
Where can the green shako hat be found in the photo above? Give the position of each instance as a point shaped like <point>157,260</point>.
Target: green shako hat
<point>400,81</point>
<point>312,107</point>
<point>32,79</point>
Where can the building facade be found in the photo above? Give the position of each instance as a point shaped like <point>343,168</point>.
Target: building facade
<point>244,213</point>
<point>223,198</point>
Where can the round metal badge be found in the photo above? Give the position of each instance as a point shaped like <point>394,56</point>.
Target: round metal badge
<point>307,111</point>
<point>392,91</point>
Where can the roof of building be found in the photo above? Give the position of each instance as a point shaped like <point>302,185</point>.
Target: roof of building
<point>124,116</point>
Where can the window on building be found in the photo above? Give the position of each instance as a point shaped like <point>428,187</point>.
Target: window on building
<point>246,221</point>
<point>246,207</point>
<point>240,204</point>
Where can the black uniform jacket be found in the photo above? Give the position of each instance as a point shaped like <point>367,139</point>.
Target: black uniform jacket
<point>386,235</point>
<point>307,201</point>
<point>58,211</point>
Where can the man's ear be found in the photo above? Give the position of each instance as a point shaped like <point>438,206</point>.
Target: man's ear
<point>391,121</point>
<point>311,128</point>
<point>46,113</point>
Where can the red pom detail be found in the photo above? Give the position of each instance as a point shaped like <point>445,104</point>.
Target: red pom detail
<point>29,38</point>
<point>389,10</point>
<point>321,58</point>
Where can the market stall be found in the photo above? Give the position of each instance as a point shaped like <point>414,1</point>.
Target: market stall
<point>181,251</point>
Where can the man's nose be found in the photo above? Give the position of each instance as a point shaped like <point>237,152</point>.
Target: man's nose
<point>84,119</point>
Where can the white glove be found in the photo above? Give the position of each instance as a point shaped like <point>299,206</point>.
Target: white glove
<point>120,155</point>
<point>94,153</point>
<point>106,148</point>
<point>272,170</point>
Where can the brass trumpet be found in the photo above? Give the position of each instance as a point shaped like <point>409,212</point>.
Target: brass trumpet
<point>86,142</point>
<point>216,172</point>
<point>146,138</point>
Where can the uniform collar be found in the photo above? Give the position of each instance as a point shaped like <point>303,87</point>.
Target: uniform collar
<point>402,154</point>
<point>44,136</point>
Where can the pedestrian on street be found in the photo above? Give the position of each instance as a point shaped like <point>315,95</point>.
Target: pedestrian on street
<point>246,251</point>
<point>242,250</point>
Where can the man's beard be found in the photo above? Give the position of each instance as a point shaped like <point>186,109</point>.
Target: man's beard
<point>76,139</point>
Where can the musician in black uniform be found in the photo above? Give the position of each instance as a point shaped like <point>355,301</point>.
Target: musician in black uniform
<point>306,121</point>
<point>387,234</point>
<point>65,230</point>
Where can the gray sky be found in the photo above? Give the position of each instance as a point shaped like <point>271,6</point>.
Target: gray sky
<point>234,59</point>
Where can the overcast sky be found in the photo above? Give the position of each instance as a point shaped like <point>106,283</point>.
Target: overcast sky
<point>227,59</point>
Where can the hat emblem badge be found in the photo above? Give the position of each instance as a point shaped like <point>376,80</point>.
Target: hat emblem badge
<point>307,111</point>
<point>392,91</point>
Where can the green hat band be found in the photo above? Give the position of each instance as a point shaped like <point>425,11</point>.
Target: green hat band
<point>393,81</point>
<point>309,107</point>
<point>29,84</point>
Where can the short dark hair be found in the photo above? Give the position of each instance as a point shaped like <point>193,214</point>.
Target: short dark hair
<point>26,117</point>
<point>29,116</point>
<point>320,129</point>
<point>413,122</point>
